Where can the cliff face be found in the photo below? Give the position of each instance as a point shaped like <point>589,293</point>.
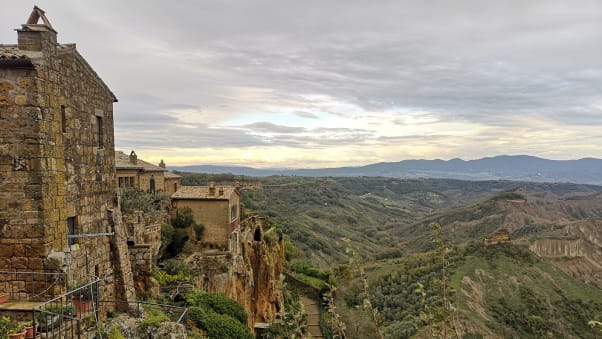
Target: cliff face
<point>251,274</point>
<point>578,251</point>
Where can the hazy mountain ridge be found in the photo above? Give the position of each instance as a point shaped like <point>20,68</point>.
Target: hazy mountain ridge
<point>504,167</point>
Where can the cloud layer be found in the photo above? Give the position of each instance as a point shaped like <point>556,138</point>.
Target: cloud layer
<point>314,83</point>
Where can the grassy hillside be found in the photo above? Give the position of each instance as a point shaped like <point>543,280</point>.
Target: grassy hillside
<point>385,217</point>
<point>499,291</point>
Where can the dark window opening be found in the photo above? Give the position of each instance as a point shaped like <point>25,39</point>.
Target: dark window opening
<point>233,213</point>
<point>99,132</point>
<point>151,184</point>
<point>257,234</point>
<point>63,119</point>
<point>71,223</point>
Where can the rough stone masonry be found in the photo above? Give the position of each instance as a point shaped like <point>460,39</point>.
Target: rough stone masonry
<point>57,167</point>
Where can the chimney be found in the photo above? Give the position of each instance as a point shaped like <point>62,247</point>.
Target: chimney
<point>221,190</point>
<point>36,37</point>
<point>133,158</point>
<point>211,189</point>
<point>162,164</point>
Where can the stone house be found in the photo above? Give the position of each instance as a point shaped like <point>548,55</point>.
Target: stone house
<point>215,207</point>
<point>499,237</point>
<point>172,180</point>
<point>57,164</point>
<point>137,173</point>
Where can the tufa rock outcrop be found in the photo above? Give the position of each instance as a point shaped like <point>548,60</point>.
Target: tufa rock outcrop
<point>251,274</point>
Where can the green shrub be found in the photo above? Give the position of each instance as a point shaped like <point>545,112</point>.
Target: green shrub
<point>164,278</point>
<point>218,325</point>
<point>199,230</point>
<point>115,333</point>
<point>136,200</point>
<point>152,321</point>
<point>177,244</point>
<point>218,303</point>
<point>167,234</point>
<point>174,267</point>
<point>184,218</point>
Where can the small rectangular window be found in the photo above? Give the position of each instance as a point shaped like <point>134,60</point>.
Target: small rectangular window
<point>71,224</point>
<point>99,131</point>
<point>233,213</point>
<point>63,119</point>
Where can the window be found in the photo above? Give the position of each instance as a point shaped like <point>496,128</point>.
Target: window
<point>71,223</point>
<point>175,187</point>
<point>63,119</point>
<point>99,131</point>
<point>233,213</point>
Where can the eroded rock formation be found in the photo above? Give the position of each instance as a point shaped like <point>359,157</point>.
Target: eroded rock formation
<point>251,274</point>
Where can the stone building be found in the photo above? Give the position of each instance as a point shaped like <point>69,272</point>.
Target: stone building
<point>57,164</point>
<point>172,181</point>
<point>499,237</point>
<point>215,207</point>
<point>137,173</point>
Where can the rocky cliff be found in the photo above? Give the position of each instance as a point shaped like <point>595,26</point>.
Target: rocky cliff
<point>251,274</point>
<point>577,250</point>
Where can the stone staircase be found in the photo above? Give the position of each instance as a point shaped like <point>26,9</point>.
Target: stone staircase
<point>313,317</point>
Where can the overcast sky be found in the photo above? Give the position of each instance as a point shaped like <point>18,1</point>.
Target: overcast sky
<point>329,83</point>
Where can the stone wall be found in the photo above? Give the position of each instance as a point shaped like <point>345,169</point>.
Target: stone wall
<point>171,185</point>
<point>214,214</point>
<point>127,176</point>
<point>145,228</point>
<point>56,163</point>
<point>141,259</point>
<point>22,238</point>
<point>145,177</point>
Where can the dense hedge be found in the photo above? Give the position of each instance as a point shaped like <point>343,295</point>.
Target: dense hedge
<point>218,303</point>
<point>218,325</point>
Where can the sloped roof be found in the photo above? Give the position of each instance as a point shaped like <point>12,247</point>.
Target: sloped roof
<point>171,175</point>
<point>12,56</point>
<point>122,161</point>
<point>202,193</point>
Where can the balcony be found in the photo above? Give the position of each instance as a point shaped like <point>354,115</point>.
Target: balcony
<point>63,311</point>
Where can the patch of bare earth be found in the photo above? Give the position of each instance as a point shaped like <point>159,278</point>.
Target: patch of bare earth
<point>475,293</point>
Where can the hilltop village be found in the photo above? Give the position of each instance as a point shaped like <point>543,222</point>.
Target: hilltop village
<point>70,228</point>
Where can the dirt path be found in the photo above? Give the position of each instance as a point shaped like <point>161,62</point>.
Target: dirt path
<point>313,317</point>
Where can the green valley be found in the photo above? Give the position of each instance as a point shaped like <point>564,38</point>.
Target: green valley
<point>543,283</point>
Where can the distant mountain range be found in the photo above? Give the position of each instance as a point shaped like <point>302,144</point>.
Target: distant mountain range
<point>504,167</point>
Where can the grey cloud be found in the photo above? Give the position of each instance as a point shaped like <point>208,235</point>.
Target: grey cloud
<point>268,127</point>
<point>494,63</point>
<point>191,136</point>
<point>307,115</point>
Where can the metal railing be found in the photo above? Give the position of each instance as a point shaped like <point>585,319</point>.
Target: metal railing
<point>32,285</point>
<point>140,309</point>
<point>62,316</point>
<point>63,312</point>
